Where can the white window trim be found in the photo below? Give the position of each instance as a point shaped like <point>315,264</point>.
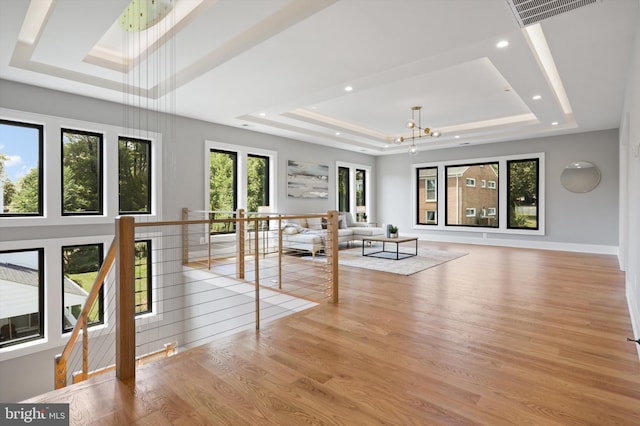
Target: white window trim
<point>52,184</point>
<point>491,211</point>
<point>470,182</point>
<point>502,184</point>
<point>470,212</point>
<point>426,191</point>
<point>492,184</point>
<point>242,153</point>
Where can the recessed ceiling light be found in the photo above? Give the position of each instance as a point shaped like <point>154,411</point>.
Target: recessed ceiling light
<point>457,136</point>
<point>337,133</point>
<point>502,44</point>
<point>386,146</point>
<point>536,97</point>
<point>555,123</point>
<point>348,89</point>
<point>263,114</point>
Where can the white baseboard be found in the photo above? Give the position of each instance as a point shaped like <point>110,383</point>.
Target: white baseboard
<point>634,311</point>
<point>542,245</point>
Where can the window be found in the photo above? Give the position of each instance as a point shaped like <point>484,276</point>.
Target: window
<point>463,201</point>
<point>142,270</point>
<point>81,172</point>
<point>21,296</point>
<point>514,191</point>
<point>80,266</point>
<point>427,195</point>
<point>257,182</point>
<point>361,195</point>
<point>344,204</point>
<point>431,217</point>
<point>21,169</point>
<point>134,176</point>
<point>223,195</point>
<point>353,190</point>
<point>522,201</point>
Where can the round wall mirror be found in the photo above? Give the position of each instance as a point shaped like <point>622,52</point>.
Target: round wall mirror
<point>580,176</point>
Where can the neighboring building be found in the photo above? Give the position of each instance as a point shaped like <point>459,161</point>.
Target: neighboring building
<point>472,195</point>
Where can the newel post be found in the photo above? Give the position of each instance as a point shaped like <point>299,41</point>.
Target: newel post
<point>125,298</point>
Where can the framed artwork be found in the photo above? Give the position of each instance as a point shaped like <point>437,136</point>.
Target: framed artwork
<point>307,180</point>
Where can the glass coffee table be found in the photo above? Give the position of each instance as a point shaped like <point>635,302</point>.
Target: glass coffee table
<point>373,250</point>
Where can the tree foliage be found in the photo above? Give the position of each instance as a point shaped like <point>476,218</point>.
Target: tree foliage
<point>81,173</point>
<point>25,198</point>
<point>257,190</point>
<point>523,191</point>
<point>133,164</point>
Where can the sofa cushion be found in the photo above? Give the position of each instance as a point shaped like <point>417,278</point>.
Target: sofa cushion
<point>359,231</point>
<point>314,223</point>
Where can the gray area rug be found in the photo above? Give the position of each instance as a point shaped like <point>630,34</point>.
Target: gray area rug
<point>426,258</point>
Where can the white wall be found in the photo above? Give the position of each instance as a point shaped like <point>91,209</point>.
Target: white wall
<point>581,222</point>
<point>630,187</point>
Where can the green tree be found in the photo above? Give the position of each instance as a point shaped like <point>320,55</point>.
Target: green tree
<point>257,191</point>
<point>133,164</point>
<point>81,183</point>
<point>9,191</point>
<point>222,187</point>
<point>25,198</point>
<point>523,190</point>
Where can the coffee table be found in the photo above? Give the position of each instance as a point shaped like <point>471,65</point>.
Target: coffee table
<point>369,249</point>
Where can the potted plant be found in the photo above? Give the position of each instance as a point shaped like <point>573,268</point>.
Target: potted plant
<point>393,231</point>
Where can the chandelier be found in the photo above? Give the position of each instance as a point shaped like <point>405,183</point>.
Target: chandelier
<point>416,128</point>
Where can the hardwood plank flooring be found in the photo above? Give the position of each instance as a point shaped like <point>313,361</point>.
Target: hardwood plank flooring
<point>498,337</point>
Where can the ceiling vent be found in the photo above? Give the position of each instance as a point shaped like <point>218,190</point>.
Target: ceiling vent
<point>529,12</point>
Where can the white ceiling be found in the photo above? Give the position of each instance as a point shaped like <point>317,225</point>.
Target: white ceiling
<point>281,66</point>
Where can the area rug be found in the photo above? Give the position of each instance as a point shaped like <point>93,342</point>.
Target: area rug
<point>426,258</point>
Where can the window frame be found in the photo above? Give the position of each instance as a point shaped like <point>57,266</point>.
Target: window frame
<point>242,152</point>
<point>41,170</point>
<point>99,300</point>
<point>353,169</point>
<point>501,208</point>
<point>41,336</point>
<point>420,202</point>
<point>101,172</point>
<point>538,186</point>
<point>149,145</point>
<point>470,182</point>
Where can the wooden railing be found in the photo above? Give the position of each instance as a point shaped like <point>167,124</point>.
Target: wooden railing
<point>83,325</point>
<point>121,255</point>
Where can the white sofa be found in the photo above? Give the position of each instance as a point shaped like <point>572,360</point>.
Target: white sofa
<point>308,234</point>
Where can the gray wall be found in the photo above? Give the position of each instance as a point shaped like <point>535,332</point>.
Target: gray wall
<point>586,221</point>
<point>630,187</point>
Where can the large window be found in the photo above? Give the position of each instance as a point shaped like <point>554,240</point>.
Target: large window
<point>21,170</point>
<point>81,172</point>
<point>223,195</point>
<point>468,204</point>
<point>523,193</point>
<point>143,282</point>
<point>427,195</point>
<point>80,266</point>
<point>21,296</point>
<point>502,194</point>
<point>134,176</point>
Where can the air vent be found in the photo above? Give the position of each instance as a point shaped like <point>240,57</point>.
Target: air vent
<point>529,12</point>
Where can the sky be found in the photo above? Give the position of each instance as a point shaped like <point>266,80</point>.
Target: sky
<point>20,144</point>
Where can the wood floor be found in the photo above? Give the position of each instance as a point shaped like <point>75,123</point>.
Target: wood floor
<point>498,337</point>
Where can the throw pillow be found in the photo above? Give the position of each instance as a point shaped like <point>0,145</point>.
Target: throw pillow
<point>324,223</point>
